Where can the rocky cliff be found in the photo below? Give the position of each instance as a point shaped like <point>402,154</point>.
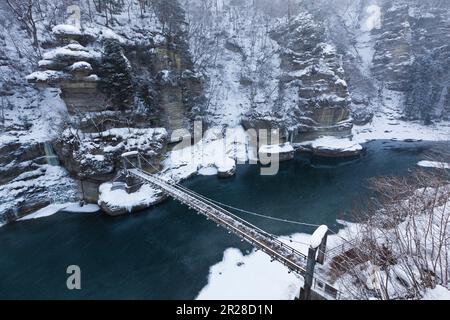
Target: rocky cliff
<point>112,78</point>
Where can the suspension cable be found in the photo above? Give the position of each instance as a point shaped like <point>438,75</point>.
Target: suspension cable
<point>239,209</point>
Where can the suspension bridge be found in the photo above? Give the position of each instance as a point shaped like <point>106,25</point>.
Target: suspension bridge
<point>297,262</point>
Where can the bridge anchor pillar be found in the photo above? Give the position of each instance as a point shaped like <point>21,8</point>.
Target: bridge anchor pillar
<point>316,254</point>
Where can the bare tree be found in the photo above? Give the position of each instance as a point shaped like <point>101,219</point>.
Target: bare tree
<point>24,12</point>
<point>404,240</point>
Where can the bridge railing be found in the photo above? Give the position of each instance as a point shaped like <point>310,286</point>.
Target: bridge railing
<point>267,235</point>
<point>247,231</point>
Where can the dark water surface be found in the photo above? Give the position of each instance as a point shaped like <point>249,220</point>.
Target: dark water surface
<point>166,252</point>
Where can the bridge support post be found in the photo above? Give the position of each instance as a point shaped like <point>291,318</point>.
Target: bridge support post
<point>124,163</point>
<point>139,163</point>
<point>322,248</point>
<point>316,254</point>
<point>305,293</point>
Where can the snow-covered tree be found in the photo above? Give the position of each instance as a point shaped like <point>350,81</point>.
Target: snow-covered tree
<point>116,75</point>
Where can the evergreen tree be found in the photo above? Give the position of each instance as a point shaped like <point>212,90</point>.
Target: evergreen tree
<point>170,13</point>
<point>116,75</point>
<point>419,99</point>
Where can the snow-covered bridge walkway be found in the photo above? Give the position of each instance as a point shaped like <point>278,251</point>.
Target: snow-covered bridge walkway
<point>294,260</point>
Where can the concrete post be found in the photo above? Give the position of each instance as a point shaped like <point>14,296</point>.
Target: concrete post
<point>124,162</point>
<point>305,294</point>
<point>322,248</point>
<point>139,161</point>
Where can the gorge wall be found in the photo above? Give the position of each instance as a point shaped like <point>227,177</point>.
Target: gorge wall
<point>125,76</point>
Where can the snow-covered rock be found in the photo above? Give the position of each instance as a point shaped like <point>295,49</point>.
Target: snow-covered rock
<point>333,147</point>
<point>34,190</point>
<point>81,65</point>
<point>226,167</point>
<point>283,151</point>
<point>47,76</point>
<point>66,30</point>
<point>72,52</point>
<point>118,202</point>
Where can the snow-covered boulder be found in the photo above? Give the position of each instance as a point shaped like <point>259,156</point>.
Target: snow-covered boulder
<point>34,190</point>
<point>81,65</point>
<point>96,157</point>
<point>46,77</point>
<point>333,147</point>
<point>108,34</point>
<point>284,151</point>
<point>116,201</point>
<point>226,167</point>
<point>81,69</point>
<point>69,54</point>
<point>66,30</point>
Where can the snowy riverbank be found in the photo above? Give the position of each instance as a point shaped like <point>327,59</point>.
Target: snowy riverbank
<point>70,207</point>
<point>254,276</point>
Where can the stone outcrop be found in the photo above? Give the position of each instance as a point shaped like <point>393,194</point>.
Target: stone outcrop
<point>116,201</point>
<point>313,69</point>
<point>312,95</point>
<point>35,189</point>
<point>412,55</point>
<point>96,158</point>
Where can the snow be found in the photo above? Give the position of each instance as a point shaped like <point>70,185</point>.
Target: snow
<point>225,164</point>
<point>250,277</point>
<point>387,124</point>
<point>45,212</point>
<point>74,51</point>
<point>44,76</point>
<point>438,293</point>
<point>208,171</point>
<point>53,183</point>
<point>341,82</point>
<point>81,65</point>
<point>242,54</point>
<point>66,29</point>
<point>213,151</point>
<point>145,196</point>
<point>254,277</point>
<point>70,207</point>
<point>334,144</point>
<point>87,208</point>
<point>433,164</point>
<point>44,63</point>
<point>373,20</point>
<point>318,235</point>
<point>110,34</point>
<point>92,77</point>
<point>382,128</point>
<point>276,148</point>
<point>129,154</point>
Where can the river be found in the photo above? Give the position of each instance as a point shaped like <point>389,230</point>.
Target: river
<point>166,252</point>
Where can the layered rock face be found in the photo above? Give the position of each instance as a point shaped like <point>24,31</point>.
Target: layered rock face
<point>95,158</point>
<point>162,88</point>
<point>117,83</point>
<point>267,72</point>
<point>312,67</point>
<point>412,55</point>
<point>27,117</point>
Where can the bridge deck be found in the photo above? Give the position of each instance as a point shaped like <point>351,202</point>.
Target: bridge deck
<point>277,250</point>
